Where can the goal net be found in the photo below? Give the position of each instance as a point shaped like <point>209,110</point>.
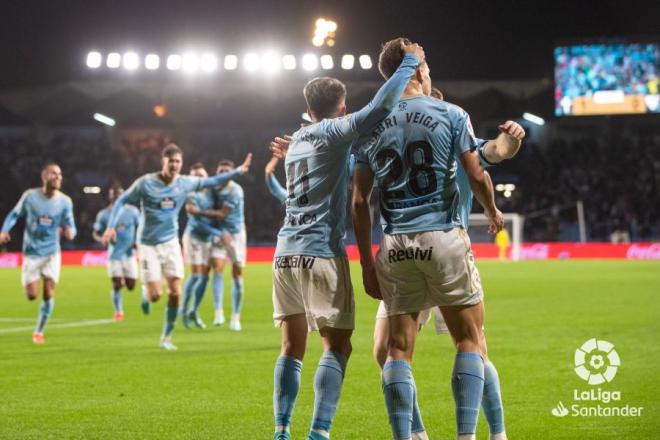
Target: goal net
<point>513,223</point>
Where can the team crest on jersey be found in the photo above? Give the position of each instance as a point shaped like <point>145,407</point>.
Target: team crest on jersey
<point>403,106</point>
<point>45,221</point>
<point>167,203</point>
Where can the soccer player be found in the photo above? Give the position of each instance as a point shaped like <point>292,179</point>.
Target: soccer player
<point>122,263</point>
<point>48,214</point>
<point>311,281</point>
<point>160,196</point>
<point>425,258</point>
<point>232,244</point>
<point>197,239</point>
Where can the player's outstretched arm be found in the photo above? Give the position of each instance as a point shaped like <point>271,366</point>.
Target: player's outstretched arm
<point>483,189</point>
<point>221,179</point>
<point>506,144</point>
<point>12,218</point>
<point>363,179</point>
<point>274,187</point>
<point>364,120</point>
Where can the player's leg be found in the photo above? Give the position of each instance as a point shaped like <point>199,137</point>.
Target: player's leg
<point>218,263</point>
<point>200,290</point>
<point>30,277</point>
<point>237,253</point>
<point>151,277</point>
<point>492,398</point>
<point>191,253</point>
<point>170,255</point>
<point>50,272</point>
<point>117,284</point>
<point>130,272</point>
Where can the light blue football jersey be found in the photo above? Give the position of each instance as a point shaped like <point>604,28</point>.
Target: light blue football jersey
<point>43,219</point>
<point>160,203</point>
<point>198,226</point>
<point>413,155</point>
<point>233,197</point>
<point>124,245</point>
<point>465,194</point>
<point>317,169</point>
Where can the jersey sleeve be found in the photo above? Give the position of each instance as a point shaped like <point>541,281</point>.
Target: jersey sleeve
<point>363,121</point>
<point>217,180</point>
<point>463,138</point>
<point>482,156</point>
<point>132,195</point>
<point>68,221</point>
<point>275,188</point>
<point>15,214</point>
<point>101,222</point>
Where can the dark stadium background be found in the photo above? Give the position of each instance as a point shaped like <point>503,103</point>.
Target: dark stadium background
<point>493,58</point>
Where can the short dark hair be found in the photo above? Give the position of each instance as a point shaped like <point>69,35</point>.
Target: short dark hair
<point>437,94</point>
<point>226,163</point>
<point>323,95</point>
<point>391,56</point>
<point>50,163</point>
<point>196,166</point>
<point>171,150</point>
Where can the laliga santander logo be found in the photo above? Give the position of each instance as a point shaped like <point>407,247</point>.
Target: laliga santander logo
<point>596,361</point>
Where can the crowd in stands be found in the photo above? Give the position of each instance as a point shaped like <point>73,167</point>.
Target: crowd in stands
<point>618,180</point>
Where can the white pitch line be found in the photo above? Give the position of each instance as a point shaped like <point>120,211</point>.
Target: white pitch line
<point>17,319</point>
<point>86,323</point>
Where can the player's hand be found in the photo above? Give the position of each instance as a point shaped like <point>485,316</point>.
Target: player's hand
<point>280,146</point>
<point>68,233</point>
<point>495,221</point>
<point>271,165</point>
<point>414,49</point>
<point>109,236</point>
<point>513,129</point>
<point>245,166</point>
<point>370,281</point>
<point>5,237</point>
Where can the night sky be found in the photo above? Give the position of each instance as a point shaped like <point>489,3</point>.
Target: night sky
<point>45,42</point>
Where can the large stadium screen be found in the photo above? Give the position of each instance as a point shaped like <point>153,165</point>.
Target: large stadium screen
<point>603,79</point>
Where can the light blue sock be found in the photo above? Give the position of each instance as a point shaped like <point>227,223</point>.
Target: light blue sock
<point>218,290</point>
<point>492,400</point>
<point>200,289</point>
<point>45,310</point>
<point>328,380</point>
<point>399,391</point>
<point>237,295</point>
<point>467,384</point>
<point>417,424</point>
<point>287,383</point>
<point>170,319</point>
<point>117,300</point>
<point>189,291</point>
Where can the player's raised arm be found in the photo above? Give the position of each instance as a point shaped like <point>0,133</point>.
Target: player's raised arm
<point>274,187</point>
<point>505,145</point>
<point>131,195</point>
<point>363,179</point>
<point>222,178</point>
<point>364,120</point>
<point>482,187</point>
<point>12,218</point>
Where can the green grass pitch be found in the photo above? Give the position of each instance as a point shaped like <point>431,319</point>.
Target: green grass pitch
<point>112,381</point>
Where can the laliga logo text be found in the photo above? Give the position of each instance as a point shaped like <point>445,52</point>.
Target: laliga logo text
<point>596,362</point>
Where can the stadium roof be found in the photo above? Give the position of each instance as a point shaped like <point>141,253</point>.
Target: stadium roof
<point>45,43</point>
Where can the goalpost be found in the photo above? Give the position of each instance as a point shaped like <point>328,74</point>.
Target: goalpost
<point>512,222</point>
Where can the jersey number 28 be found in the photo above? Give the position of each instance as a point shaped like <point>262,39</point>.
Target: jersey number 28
<point>418,157</point>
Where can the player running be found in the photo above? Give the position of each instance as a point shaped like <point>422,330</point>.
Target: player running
<point>48,214</point>
<point>197,240</point>
<point>311,281</point>
<point>425,258</point>
<point>160,196</point>
<point>122,262</point>
<point>231,244</point>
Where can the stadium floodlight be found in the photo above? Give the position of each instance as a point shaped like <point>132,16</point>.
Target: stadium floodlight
<point>94,60</point>
<point>318,40</point>
<point>113,61</point>
<point>103,119</point>
<point>190,62</point>
<point>326,62</point>
<point>533,118</point>
<point>251,62</point>
<point>130,61</point>
<point>289,62</point>
<point>174,62</point>
<point>92,189</point>
<point>271,62</point>
<point>347,62</point>
<point>365,62</point>
<point>209,62</point>
<point>152,61</point>
<point>231,62</point>
<point>310,62</point>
